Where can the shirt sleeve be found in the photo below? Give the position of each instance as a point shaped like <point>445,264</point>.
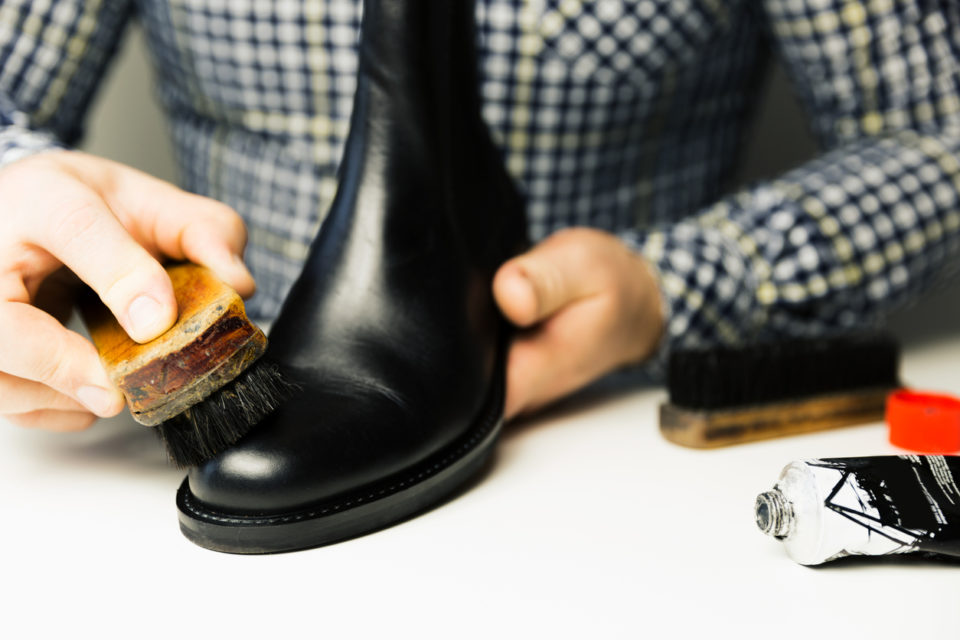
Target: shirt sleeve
<point>52,56</point>
<point>842,240</point>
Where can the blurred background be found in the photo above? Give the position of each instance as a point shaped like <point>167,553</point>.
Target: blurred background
<point>127,125</point>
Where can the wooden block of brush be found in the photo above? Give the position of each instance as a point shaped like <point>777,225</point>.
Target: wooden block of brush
<point>726,396</point>
<point>211,344</point>
<point>722,427</point>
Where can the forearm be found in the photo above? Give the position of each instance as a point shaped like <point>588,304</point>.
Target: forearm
<point>833,245</point>
<point>843,240</point>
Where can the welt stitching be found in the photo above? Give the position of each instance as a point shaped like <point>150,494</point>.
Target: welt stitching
<point>192,505</point>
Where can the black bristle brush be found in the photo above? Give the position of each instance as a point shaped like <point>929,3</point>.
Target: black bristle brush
<point>730,395</point>
<point>202,384</point>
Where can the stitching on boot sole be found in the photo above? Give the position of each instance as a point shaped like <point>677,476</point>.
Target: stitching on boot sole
<point>202,512</point>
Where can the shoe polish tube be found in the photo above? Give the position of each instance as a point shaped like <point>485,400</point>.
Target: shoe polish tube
<point>836,507</point>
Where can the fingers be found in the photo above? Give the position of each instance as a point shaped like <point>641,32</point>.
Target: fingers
<point>18,395</point>
<point>588,304</point>
<point>76,227</point>
<point>109,225</point>
<point>184,226</point>
<point>53,420</point>
<point>201,242</point>
<point>557,291</point>
<point>558,357</point>
<point>556,272</point>
<point>215,239</point>
<point>35,347</point>
<point>164,219</point>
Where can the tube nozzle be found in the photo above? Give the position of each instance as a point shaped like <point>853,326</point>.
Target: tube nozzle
<point>774,513</point>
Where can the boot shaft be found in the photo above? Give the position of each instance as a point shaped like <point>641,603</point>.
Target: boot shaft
<point>419,158</point>
<point>418,70</point>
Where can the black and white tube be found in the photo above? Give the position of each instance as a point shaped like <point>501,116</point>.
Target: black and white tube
<point>827,509</point>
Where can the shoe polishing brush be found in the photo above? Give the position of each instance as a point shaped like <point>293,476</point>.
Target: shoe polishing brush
<point>202,384</point>
<point>729,395</point>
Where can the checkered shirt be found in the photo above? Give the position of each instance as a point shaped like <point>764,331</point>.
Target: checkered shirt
<point>626,115</point>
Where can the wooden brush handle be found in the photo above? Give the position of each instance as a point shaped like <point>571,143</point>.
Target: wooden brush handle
<point>723,427</point>
<point>211,343</point>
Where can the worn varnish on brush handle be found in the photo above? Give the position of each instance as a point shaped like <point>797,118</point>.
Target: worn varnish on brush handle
<point>211,343</point>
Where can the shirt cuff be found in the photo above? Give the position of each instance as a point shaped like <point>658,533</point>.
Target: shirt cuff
<point>18,142</point>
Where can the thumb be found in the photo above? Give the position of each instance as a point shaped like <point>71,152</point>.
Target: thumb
<point>535,285</point>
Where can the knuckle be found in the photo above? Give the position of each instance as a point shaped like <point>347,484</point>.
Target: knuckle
<point>52,369</point>
<point>74,222</point>
<point>218,222</point>
<point>22,169</point>
<point>232,223</point>
<point>573,249</point>
<point>53,364</point>
<point>220,213</point>
<point>551,283</point>
<point>565,235</point>
<point>576,240</point>
<point>225,211</point>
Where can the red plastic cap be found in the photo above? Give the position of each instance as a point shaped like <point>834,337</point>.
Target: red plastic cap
<point>924,422</point>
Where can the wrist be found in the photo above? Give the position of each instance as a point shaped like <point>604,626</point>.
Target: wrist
<point>650,318</point>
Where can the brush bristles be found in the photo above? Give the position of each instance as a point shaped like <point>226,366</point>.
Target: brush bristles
<point>219,421</point>
<point>767,372</point>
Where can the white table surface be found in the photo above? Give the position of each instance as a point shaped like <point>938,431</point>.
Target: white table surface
<point>589,524</point>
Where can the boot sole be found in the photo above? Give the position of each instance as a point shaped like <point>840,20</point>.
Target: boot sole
<point>372,508</point>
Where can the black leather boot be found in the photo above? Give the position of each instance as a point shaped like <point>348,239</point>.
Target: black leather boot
<point>391,330</point>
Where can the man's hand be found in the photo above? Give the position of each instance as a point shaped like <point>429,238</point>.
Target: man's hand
<point>586,304</point>
<point>110,225</point>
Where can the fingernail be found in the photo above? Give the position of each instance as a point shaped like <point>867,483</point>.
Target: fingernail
<point>99,400</point>
<point>145,316</point>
